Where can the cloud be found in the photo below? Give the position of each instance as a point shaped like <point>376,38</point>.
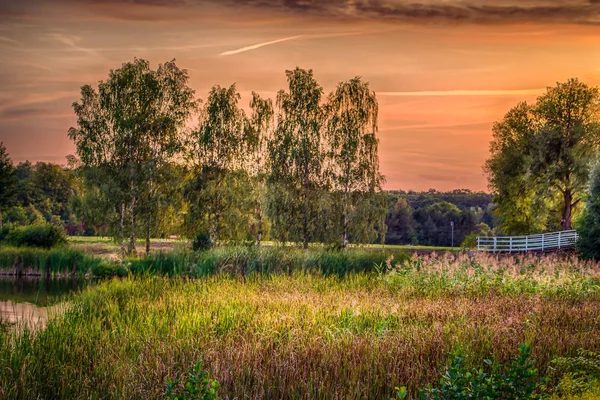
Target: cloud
<point>516,92</point>
<point>259,45</point>
<point>441,11</point>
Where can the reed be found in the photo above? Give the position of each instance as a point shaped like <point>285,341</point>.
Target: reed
<point>305,334</point>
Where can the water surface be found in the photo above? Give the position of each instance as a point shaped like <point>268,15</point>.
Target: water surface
<point>29,301</point>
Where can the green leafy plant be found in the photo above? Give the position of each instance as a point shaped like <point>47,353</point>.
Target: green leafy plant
<point>517,380</point>
<point>574,375</point>
<point>197,386</point>
<point>42,235</point>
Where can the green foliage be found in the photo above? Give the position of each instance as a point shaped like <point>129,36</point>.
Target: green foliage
<point>43,235</point>
<point>197,386</point>
<point>434,224</point>
<point>107,269</point>
<point>589,223</point>
<point>574,375</point>
<point>217,151</point>
<point>400,223</point>
<point>61,260</point>
<point>306,335</point>
<point>296,159</point>
<point>8,180</point>
<point>517,381</point>
<point>201,242</point>
<point>540,158</point>
<point>128,129</point>
<point>352,161</point>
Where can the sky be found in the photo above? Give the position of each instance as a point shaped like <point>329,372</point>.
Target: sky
<point>443,70</point>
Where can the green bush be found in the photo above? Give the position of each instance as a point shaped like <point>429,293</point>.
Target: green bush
<point>517,381</point>
<point>575,375</point>
<point>107,269</point>
<point>42,235</point>
<point>198,386</point>
<point>201,242</point>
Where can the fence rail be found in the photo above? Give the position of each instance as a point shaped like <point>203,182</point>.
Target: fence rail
<point>538,242</point>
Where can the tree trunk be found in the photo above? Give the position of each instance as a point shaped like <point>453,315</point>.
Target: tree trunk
<point>0,218</point>
<point>305,222</point>
<point>260,225</point>
<point>121,230</point>
<point>345,211</point>
<point>566,218</point>
<point>132,230</point>
<point>215,228</point>
<point>148,223</point>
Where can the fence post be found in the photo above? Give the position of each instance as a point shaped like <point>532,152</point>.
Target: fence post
<point>526,244</point>
<point>559,239</point>
<point>478,248</point>
<point>543,236</point>
<point>494,244</point>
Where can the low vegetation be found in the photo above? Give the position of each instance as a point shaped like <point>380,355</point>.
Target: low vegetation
<point>42,235</point>
<point>305,334</point>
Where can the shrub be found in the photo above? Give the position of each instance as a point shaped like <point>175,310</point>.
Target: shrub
<point>470,242</point>
<point>201,242</point>
<point>107,269</point>
<point>493,381</point>
<point>575,375</point>
<point>42,235</point>
<point>198,386</point>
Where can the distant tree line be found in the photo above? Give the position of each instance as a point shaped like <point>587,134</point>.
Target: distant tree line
<point>430,218</point>
<point>60,195</point>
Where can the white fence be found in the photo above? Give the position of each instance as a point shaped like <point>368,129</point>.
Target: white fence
<point>539,242</point>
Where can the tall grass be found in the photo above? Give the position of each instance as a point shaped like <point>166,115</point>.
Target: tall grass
<point>245,261</point>
<point>303,334</point>
<point>37,261</point>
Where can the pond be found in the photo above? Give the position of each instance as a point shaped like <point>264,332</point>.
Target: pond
<point>28,301</point>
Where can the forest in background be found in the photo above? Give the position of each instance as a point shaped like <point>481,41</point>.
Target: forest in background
<point>53,193</point>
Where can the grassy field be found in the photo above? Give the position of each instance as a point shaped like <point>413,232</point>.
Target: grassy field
<point>305,334</point>
<point>105,246</point>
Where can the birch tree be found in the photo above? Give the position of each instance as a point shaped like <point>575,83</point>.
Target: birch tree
<point>353,163</point>
<point>258,134</point>
<point>216,147</point>
<point>296,157</point>
<point>129,128</point>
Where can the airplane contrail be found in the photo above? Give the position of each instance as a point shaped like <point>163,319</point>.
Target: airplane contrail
<point>259,45</point>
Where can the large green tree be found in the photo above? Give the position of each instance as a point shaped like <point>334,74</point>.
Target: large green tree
<point>7,180</point>
<point>217,155</point>
<point>258,134</point>
<point>129,128</point>
<point>540,157</point>
<point>352,162</point>
<point>296,158</point>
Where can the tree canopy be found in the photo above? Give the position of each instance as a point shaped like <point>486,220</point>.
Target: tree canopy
<point>541,155</point>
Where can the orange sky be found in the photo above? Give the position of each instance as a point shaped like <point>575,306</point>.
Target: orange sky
<point>443,70</point>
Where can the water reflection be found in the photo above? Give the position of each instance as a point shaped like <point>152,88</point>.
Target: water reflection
<point>28,301</point>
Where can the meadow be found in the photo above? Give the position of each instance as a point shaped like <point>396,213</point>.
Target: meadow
<point>306,332</point>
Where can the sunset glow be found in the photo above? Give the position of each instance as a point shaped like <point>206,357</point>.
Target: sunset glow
<point>443,71</point>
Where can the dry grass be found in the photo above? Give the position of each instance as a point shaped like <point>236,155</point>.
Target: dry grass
<point>306,335</point>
